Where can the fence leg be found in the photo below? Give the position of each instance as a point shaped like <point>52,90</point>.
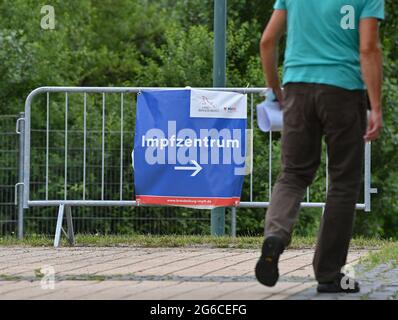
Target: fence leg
<point>58,229</point>
<point>71,234</point>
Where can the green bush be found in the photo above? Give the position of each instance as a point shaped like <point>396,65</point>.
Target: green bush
<point>161,43</point>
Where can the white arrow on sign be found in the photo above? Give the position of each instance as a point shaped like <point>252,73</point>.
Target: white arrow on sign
<point>197,168</point>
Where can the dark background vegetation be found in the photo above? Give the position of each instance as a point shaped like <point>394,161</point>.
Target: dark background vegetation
<point>170,43</point>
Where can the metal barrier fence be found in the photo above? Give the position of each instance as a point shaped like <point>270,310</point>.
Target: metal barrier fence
<point>8,174</point>
<point>89,188</point>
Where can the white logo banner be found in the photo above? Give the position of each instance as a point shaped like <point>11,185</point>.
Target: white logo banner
<point>216,104</point>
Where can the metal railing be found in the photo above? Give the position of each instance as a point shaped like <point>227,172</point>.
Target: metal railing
<point>66,202</point>
<point>8,174</point>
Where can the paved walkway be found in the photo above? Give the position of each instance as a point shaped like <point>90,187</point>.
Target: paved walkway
<point>155,274</point>
<point>380,283</point>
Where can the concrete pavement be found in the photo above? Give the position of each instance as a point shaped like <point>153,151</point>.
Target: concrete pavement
<point>150,274</point>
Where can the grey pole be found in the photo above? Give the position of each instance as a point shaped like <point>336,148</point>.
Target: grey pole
<point>219,81</point>
<point>21,125</point>
<point>233,222</point>
<point>220,44</point>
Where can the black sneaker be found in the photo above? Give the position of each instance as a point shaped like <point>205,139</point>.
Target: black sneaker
<point>267,272</point>
<point>338,285</point>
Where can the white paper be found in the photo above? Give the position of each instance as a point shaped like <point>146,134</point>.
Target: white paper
<point>270,117</point>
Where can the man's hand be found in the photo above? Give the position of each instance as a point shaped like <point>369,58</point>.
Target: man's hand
<point>279,95</point>
<point>375,126</point>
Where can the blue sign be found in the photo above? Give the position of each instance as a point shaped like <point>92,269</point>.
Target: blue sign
<point>190,148</point>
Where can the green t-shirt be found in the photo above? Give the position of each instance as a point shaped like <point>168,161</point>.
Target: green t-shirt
<point>323,40</point>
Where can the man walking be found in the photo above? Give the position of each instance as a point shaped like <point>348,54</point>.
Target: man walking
<point>333,68</point>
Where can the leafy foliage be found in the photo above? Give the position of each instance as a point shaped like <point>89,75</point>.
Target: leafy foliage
<point>169,43</point>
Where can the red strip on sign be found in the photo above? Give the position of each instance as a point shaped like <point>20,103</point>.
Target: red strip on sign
<point>183,201</point>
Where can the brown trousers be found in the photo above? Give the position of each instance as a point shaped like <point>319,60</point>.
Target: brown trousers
<point>312,111</point>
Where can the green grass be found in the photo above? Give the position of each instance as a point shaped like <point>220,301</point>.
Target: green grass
<point>6,277</point>
<point>175,241</point>
<point>387,254</point>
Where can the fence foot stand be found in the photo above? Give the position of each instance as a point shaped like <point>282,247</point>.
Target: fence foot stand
<point>71,234</point>
<point>59,230</point>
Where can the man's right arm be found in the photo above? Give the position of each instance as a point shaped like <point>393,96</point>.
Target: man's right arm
<point>269,50</point>
<point>372,70</point>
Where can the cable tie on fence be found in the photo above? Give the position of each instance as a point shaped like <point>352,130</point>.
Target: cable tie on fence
<point>16,191</point>
<point>18,126</point>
